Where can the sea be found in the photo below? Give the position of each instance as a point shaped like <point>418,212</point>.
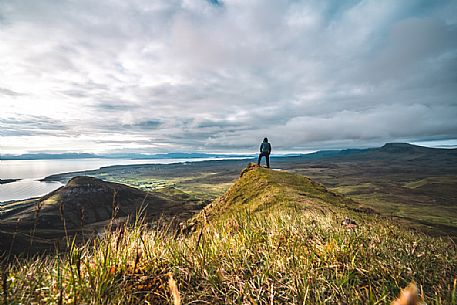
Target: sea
<point>32,171</point>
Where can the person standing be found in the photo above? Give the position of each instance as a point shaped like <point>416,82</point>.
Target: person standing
<point>265,150</point>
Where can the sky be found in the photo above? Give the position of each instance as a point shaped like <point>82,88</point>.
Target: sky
<point>219,76</point>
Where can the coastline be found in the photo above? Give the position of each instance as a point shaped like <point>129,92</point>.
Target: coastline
<point>5,181</point>
<point>64,177</point>
<point>42,185</point>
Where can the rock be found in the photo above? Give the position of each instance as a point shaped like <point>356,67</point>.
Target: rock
<point>250,167</point>
<point>349,223</point>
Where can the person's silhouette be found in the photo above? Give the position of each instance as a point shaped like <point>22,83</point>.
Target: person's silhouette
<point>265,150</point>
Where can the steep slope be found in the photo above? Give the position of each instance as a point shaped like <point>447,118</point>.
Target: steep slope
<point>263,190</point>
<point>84,206</point>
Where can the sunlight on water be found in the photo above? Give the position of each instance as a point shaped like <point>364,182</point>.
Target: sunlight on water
<point>26,188</point>
<point>30,171</point>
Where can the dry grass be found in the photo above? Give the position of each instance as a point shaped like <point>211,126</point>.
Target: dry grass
<point>287,254</point>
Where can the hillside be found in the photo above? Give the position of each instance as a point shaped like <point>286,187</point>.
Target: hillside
<point>273,238</point>
<point>261,191</point>
<point>83,207</point>
<point>412,183</point>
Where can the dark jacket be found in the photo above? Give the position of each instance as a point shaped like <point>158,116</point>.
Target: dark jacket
<point>265,148</point>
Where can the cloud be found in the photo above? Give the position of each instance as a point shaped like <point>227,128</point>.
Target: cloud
<point>5,91</point>
<point>24,125</point>
<point>220,75</point>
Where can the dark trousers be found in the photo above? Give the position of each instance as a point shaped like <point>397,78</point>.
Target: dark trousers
<point>267,157</point>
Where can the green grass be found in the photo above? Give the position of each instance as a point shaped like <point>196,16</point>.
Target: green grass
<point>273,238</point>
<point>426,204</point>
<point>431,180</point>
<point>144,184</point>
<point>198,186</point>
<point>359,188</point>
<point>444,215</point>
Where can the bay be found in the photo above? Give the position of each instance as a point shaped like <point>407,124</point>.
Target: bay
<point>31,171</point>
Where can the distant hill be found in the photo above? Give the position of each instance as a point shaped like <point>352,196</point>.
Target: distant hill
<point>388,148</point>
<point>84,206</point>
<point>407,150</point>
<point>189,156</point>
<point>135,156</point>
<point>46,156</point>
<point>387,151</point>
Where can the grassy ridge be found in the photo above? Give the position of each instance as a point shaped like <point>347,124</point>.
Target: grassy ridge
<point>274,237</point>
<point>260,189</point>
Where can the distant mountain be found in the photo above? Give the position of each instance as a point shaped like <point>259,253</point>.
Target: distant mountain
<point>388,150</point>
<point>46,156</point>
<point>137,156</point>
<point>408,148</point>
<point>187,156</point>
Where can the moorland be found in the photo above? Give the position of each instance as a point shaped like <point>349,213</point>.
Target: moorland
<point>413,184</point>
<point>339,227</point>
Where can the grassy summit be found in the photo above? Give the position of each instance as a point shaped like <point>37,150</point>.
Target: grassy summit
<point>272,238</point>
<point>261,191</point>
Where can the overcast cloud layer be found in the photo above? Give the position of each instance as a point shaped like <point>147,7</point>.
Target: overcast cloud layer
<point>170,75</point>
